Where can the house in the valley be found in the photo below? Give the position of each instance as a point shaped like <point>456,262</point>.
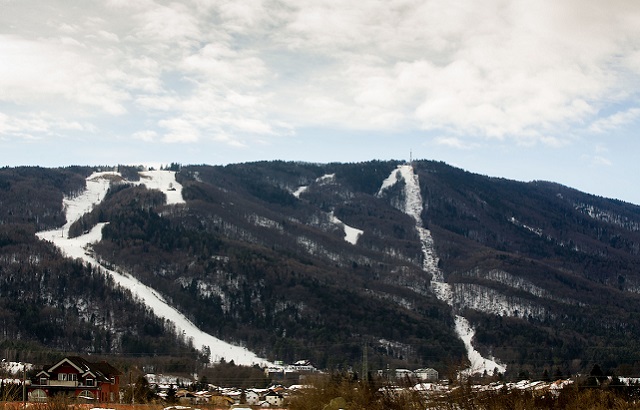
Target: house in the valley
<point>427,375</point>
<point>252,397</point>
<point>404,374</point>
<point>274,399</point>
<point>76,378</point>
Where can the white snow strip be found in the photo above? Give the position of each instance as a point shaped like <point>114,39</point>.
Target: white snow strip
<point>325,179</point>
<point>389,182</point>
<point>412,206</point>
<point>97,185</point>
<point>79,247</point>
<point>351,234</point>
<point>479,364</point>
<point>300,190</point>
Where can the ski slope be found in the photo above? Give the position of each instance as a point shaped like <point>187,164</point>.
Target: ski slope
<point>79,248</point>
<point>413,207</point>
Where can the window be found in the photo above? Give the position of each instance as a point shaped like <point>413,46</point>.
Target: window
<point>44,381</point>
<point>67,376</point>
<point>85,395</point>
<point>89,382</point>
<point>38,395</point>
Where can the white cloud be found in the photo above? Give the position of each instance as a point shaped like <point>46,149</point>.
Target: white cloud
<point>600,161</point>
<point>454,142</point>
<point>501,70</point>
<point>106,35</point>
<point>35,72</point>
<point>39,125</point>
<point>615,120</point>
<point>242,72</point>
<point>179,130</point>
<point>165,26</point>
<point>601,148</point>
<point>216,63</point>
<point>147,135</point>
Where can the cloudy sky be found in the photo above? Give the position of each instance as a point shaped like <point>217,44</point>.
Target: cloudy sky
<point>526,90</point>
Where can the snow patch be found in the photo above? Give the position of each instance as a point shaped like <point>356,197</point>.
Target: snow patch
<point>605,216</point>
<point>516,282</point>
<point>351,234</point>
<point>488,300</point>
<point>263,222</point>
<point>300,190</point>
<point>479,364</point>
<point>314,248</point>
<point>164,181</point>
<point>326,179</point>
<point>323,180</point>
<point>516,222</point>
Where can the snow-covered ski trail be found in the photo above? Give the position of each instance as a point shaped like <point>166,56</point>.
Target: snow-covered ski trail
<point>412,206</point>
<point>79,248</point>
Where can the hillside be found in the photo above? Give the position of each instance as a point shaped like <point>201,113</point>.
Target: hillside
<point>316,261</point>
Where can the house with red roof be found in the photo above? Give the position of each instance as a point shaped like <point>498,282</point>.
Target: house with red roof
<point>76,378</point>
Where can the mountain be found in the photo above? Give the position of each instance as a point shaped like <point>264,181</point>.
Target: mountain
<point>425,264</point>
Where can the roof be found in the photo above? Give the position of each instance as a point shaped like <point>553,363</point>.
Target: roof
<point>100,370</point>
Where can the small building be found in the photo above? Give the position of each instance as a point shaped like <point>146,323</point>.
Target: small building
<point>274,399</point>
<point>76,378</point>
<point>252,397</point>
<point>404,374</point>
<point>427,375</point>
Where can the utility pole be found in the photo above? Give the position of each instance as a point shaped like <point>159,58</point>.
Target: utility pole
<point>365,364</point>
<point>24,385</point>
<point>133,400</point>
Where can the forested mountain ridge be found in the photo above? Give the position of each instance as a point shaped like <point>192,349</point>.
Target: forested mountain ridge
<point>297,260</point>
<point>50,303</point>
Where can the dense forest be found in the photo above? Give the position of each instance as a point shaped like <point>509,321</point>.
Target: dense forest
<point>548,276</point>
<point>49,303</point>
